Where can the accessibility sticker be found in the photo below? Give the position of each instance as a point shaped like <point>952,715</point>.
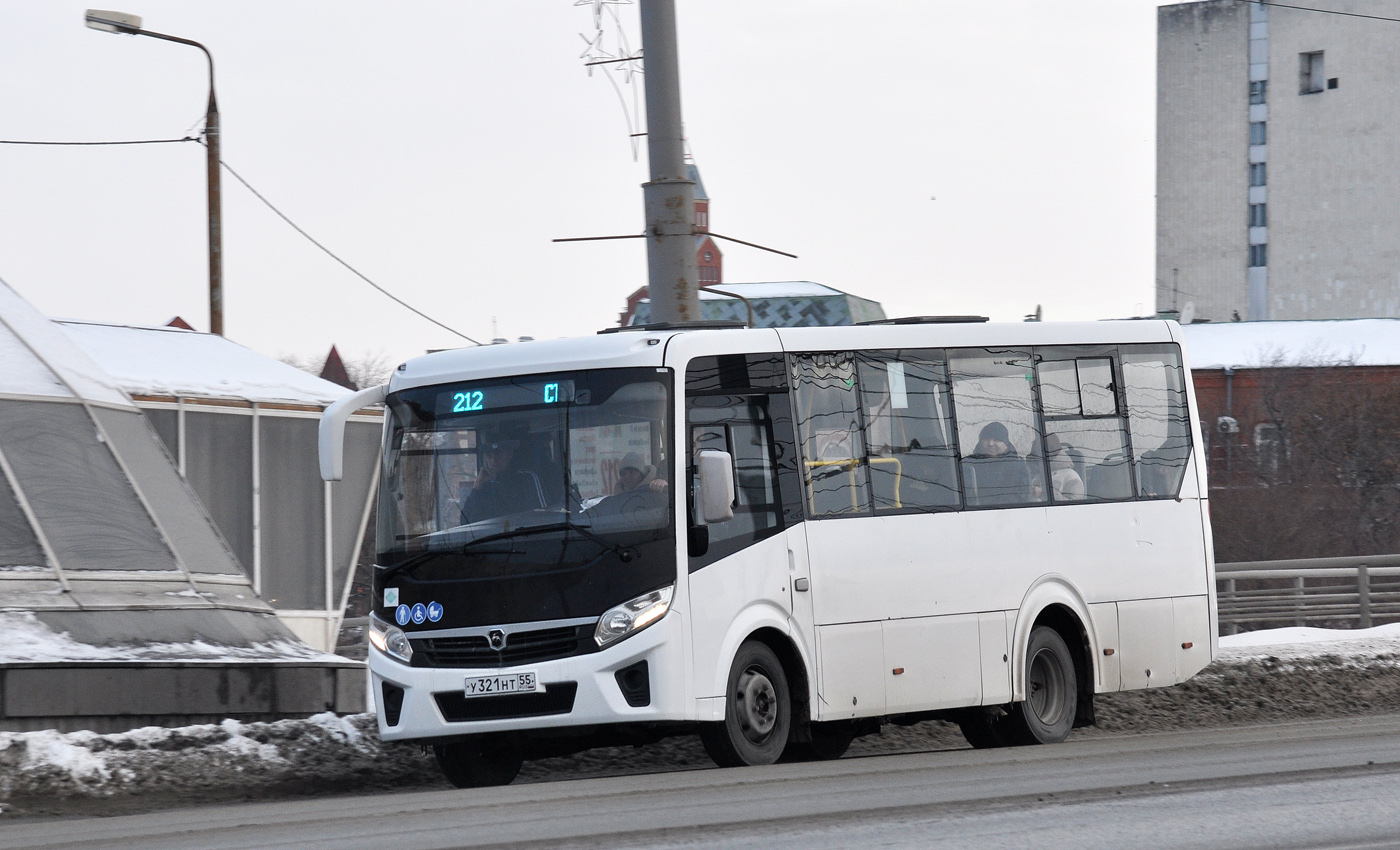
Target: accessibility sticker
<point>420,613</point>
<point>401,615</point>
<point>391,597</point>
<point>434,612</point>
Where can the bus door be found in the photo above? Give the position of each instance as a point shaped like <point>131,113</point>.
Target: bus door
<point>758,559</point>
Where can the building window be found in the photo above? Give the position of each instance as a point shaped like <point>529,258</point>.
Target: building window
<point>1258,91</point>
<point>1270,448</point>
<point>1258,174</point>
<point>1258,215</point>
<point>709,256</point>
<point>1258,256</point>
<point>1257,134</point>
<point>1332,83</point>
<point>1310,77</point>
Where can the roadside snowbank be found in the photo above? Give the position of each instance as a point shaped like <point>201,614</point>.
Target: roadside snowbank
<point>1260,677</point>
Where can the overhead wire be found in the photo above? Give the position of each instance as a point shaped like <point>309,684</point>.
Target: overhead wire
<point>1322,11</point>
<point>271,206</point>
<point>337,258</point>
<point>132,142</point>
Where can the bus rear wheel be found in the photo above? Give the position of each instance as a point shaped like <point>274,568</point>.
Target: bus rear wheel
<point>1046,716</point>
<point>469,765</point>
<point>757,711</point>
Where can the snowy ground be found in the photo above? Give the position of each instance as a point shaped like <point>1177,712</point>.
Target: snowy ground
<point>1260,677</point>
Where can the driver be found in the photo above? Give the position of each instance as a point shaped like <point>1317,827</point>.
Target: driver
<point>501,489</point>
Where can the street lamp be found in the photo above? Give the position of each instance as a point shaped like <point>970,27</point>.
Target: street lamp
<point>122,23</point>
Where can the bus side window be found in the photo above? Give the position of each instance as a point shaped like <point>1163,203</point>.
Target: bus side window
<point>834,476</point>
<point>909,431</point>
<point>998,436</point>
<point>1086,443</point>
<point>1157,418</point>
<point>741,426</point>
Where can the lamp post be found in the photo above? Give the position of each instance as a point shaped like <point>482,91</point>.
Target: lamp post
<point>122,23</point>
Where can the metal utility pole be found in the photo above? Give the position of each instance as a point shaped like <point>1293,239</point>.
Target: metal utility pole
<point>670,197</point>
<point>124,24</point>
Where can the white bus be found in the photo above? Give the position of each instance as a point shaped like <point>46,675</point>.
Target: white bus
<point>782,538</point>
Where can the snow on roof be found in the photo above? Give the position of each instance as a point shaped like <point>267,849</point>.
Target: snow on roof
<point>775,289</point>
<point>179,363</point>
<point>40,360</point>
<point>1361,342</point>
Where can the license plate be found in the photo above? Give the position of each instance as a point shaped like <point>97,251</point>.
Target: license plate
<point>515,683</point>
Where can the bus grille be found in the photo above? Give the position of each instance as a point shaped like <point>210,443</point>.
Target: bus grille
<point>557,698</point>
<point>521,648</point>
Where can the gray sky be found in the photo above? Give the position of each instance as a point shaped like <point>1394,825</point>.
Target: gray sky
<point>439,146</point>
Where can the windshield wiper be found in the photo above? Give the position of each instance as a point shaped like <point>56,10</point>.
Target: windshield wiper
<point>624,553</point>
<point>411,562</point>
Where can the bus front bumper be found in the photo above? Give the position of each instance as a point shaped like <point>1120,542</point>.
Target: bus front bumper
<point>583,690</point>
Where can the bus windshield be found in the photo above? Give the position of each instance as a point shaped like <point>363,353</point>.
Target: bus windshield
<point>580,454</point>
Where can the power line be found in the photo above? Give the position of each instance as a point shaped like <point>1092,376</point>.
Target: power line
<point>136,142</point>
<point>333,256</point>
<point>1323,11</point>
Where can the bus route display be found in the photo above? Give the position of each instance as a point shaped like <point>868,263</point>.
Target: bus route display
<point>480,399</point>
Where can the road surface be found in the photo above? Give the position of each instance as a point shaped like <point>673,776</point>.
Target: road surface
<point>1325,784</point>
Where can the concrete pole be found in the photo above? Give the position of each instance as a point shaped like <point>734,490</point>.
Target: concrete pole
<point>216,225</point>
<point>670,197</point>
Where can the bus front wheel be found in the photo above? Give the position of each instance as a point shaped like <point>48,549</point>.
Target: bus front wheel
<point>469,765</point>
<point>757,711</point>
<point>1052,691</point>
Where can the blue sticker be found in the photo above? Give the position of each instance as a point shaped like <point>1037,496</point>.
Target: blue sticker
<point>420,613</point>
<point>401,615</point>
<point>434,612</point>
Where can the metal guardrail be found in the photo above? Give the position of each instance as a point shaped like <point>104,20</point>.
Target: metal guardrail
<point>1359,590</point>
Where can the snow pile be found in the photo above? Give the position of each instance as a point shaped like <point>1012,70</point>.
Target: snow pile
<point>1305,639</point>
<point>29,639</point>
<point>324,752</point>
<point>1260,677</point>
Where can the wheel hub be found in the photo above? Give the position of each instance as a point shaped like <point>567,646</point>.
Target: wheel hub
<point>758,704</point>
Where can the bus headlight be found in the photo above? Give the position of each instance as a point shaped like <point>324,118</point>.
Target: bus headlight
<point>632,616</point>
<point>390,640</point>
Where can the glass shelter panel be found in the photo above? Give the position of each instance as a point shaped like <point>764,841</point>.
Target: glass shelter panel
<point>88,509</point>
<point>190,531</point>
<point>293,514</point>
<point>994,402</point>
<point>349,496</point>
<point>909,431</point>
<point>219,467</point>
<point>829,430</point>
<point>18,545</point>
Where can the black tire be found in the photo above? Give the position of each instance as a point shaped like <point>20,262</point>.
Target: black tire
<point>1052,691</point>
<point>757,711</point>
<point>476,766</point>
<point>985,728</point>
<point>827,744</point>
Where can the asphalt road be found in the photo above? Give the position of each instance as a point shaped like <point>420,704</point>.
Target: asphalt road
<point>1328,784</point>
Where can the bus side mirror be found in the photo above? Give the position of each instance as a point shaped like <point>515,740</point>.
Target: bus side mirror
<point>331,442</point>
<point>716,486</point>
